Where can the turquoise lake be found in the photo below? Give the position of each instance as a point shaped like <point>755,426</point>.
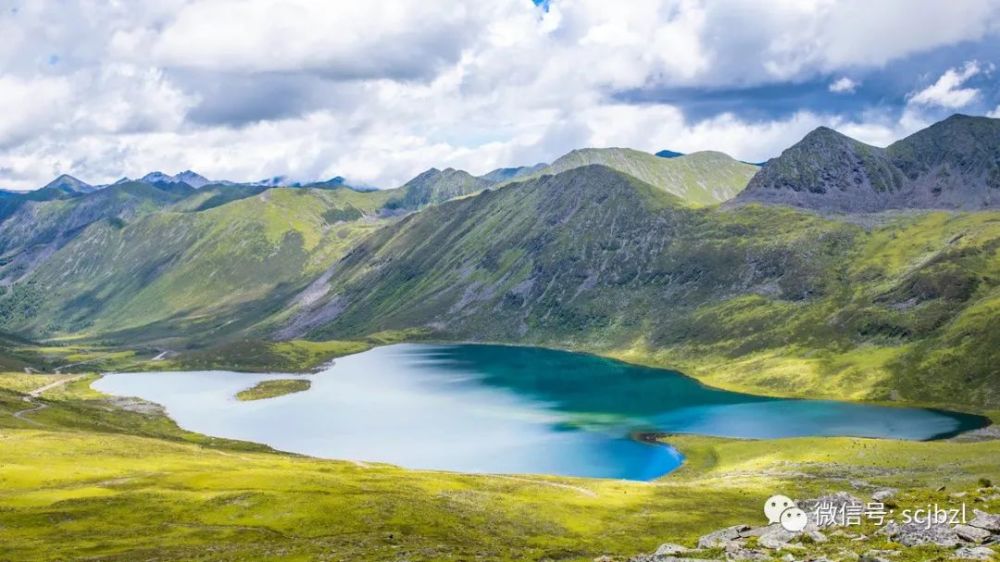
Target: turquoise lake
<point>501,409</point>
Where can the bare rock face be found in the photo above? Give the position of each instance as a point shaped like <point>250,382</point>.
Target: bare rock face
<point>953,164</point>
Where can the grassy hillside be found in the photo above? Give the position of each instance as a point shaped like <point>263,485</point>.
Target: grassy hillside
<point>84,477</point>
<point>763,299</point>
<point>435,186</point>
<point>701,178</point>
<point>181,273</point>
<point>35,229</point>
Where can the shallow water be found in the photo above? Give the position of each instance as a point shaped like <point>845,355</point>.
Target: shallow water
<point>500,409</point>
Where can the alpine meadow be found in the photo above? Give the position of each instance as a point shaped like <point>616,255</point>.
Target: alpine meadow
<point>665,283</point>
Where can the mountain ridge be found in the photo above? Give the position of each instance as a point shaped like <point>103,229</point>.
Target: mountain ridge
<point>829,171</point>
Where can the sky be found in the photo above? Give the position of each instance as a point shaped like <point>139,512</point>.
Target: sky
<point>379,90</point>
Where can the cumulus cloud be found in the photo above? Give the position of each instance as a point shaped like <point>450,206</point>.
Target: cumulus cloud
<point>843,86</point>
<point>948,91</point>
<point>378,91</point>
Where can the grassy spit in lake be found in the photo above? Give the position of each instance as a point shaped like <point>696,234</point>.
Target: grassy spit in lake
<point>273,388</point>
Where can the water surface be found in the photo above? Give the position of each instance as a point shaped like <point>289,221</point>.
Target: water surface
<point>500,409</point>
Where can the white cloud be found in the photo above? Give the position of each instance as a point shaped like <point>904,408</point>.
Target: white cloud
<point>380,90</point>
<point>843,85</point>
<point>995,114</point>
<point>948,91</point>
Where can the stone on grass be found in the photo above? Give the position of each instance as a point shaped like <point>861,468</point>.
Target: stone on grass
<point>971,534</point>
<point>669,549</point>
<point>986,521</point>
<point>722,537</point>
<point>975,553</point>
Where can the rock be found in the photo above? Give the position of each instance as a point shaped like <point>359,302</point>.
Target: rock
<point>975,553</point>
<point>669,549</point>
<point>735,551</point>
<point>971,534</point>
<point>883,494</point>
<point>776,538</point>
<point>913,534</point>
<point>816,536</point>
<point>722,537</point>
<point>986,521</point>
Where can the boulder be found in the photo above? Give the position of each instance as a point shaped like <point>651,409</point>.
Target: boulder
<point>722,537</point>
<point>975,553</point>
<point>776,538</point>
<point>971,534</point>
<point>669,549</point>
<point>986,521</point>
<point>913,534</point>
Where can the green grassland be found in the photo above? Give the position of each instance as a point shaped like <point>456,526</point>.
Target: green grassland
<point>273,388</point>
<point>86,479</point>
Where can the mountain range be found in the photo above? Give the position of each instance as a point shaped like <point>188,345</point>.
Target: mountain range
<point>797,281</point>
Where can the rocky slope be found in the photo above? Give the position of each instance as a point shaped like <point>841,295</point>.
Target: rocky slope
<point>954,164</point>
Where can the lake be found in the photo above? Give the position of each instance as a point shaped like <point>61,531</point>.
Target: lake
<point>502,409</point>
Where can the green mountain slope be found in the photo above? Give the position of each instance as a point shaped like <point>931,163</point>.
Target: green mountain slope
<point>38,228</point>
<point>184,273</point>
<point>758,298</point>
<point>954,164</point>
<point>435,186</point>
<point>701,178</point>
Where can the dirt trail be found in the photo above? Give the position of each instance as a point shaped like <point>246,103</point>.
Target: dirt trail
<point>38,406</point>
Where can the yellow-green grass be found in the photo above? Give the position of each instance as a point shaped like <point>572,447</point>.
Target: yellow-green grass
<point>273,388</point>
<point>94,480</point>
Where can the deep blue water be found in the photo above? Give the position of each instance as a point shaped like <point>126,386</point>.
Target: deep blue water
<point>500,409</point>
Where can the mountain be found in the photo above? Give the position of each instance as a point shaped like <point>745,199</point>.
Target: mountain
<point>36,229</point>
<point>190,178</point>
<point>701,178</point>
<point>756,297</point>
<point>669,154</point>
<point>169,275</point>
<point>435,186</point>
<point>504,174</point>
<point>953,164</point>
<point>68,184</point>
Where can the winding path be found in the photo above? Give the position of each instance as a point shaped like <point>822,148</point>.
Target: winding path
<point>38,406</point>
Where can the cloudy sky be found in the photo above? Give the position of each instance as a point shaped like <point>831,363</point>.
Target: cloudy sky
<point>379,90</point>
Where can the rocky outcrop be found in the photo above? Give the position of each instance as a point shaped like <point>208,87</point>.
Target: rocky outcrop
<point>954,164</point>
<point>971,541</point>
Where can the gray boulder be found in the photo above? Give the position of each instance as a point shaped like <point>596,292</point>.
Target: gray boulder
<point>913,534</point>
<point>972,534</point>
<point>986,521</point>
<point>722,537</point>
<point>975,553</point>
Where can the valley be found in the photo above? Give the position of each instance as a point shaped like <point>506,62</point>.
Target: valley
<point>870,277</point>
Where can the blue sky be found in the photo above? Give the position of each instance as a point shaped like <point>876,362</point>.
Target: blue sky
<point>379,91</point>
